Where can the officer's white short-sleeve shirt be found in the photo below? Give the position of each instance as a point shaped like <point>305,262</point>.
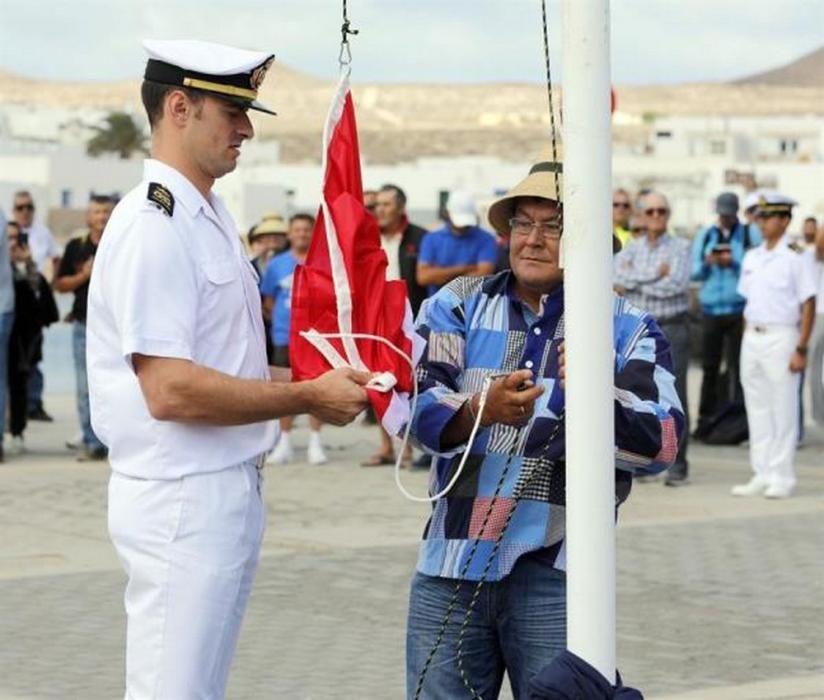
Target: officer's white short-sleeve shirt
<point>173,285</point>
<point>775,284</point>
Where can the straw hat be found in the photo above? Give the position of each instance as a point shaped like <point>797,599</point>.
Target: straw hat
<point>272,222</point>
<point>545,181</point>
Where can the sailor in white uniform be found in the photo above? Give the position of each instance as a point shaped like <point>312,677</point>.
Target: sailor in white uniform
<point>179,384</point>
<point>779,285</point>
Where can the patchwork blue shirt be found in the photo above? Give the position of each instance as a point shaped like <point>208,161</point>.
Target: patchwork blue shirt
<point>475,327</point>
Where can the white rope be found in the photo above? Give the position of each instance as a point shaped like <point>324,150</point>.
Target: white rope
<point>309,335</point>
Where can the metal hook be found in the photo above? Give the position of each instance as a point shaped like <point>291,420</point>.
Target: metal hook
<point>345,55</point>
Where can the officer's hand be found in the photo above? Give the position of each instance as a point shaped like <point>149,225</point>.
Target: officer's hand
<point>798,363</point>
<point>87,267</point>
<point>511,399</point>
<point>339,396</point>
<point>664,270</point>
<point>725,259</point>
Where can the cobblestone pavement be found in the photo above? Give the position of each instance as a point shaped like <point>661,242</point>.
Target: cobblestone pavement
<point>718,596</point>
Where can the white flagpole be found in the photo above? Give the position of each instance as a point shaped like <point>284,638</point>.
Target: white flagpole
<point>589,346</point>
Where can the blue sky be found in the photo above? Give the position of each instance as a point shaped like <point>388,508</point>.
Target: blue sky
<point>653,41</point>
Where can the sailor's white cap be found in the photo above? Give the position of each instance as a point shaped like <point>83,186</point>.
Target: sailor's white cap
<point>227,72</point>
<point>771,202</point>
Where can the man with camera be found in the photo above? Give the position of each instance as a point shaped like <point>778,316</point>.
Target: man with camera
<point>6,314</point>
<point>717,253</point>
<point>43,248</point>
<point>73,275</point>
<point>34,309</point>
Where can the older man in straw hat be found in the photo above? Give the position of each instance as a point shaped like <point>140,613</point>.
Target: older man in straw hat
<point>509,327</point>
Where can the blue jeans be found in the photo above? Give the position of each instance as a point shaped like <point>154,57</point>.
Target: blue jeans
<point>35,388</point>
<point>6,323</point>
<point>518,625</point>
<point>82,386</point>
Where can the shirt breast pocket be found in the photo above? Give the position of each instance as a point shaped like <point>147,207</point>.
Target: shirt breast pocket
<point>222,290</point>
<point>780,279</point>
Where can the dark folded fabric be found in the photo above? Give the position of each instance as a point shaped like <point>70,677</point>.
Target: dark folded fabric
<point>569,677</point>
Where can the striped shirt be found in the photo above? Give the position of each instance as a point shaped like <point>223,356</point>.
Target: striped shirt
<point>637,270</point>
<point>475,327</point>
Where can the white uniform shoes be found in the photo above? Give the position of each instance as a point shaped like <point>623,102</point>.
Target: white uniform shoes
<point>754,487</point>
<point>759,487</point>
<point>775,491</point>
<point>284,453</point>
<point>315,453</point>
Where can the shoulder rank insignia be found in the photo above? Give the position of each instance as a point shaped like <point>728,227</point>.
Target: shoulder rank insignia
<point>160,195</point>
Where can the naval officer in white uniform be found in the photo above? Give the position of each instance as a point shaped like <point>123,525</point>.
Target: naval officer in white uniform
<point>179,384</point>
<point>779,285</point>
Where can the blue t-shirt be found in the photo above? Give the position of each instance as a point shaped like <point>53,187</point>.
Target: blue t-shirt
<point>277,283</point>
<point>443,248</point>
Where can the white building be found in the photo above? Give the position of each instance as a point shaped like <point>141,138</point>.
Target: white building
<point>691,159</point>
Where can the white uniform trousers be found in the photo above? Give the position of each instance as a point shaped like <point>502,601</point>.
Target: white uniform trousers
<point>771,398</point>
<point>190,548</point>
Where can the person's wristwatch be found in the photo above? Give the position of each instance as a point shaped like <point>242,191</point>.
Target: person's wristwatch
<point>801,349</point>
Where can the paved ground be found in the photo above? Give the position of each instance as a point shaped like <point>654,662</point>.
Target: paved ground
<point>719,598</point>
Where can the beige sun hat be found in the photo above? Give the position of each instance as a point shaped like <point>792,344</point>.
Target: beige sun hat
<point>545,181</point>
<point>272,222</point>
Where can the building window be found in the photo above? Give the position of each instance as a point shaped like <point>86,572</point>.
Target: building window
<point>66,199</point>
<point>788,146</point>
<point>718,148</point>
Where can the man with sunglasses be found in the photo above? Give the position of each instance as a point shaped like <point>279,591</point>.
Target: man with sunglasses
<point>779,284</point>
<point>653,273</point>
<point>43,248</point>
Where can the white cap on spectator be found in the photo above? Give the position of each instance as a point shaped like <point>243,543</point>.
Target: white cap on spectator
<point>462,209</point>
<point>751,200</point>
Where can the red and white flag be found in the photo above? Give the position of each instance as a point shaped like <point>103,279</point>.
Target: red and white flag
<point>341,289</point>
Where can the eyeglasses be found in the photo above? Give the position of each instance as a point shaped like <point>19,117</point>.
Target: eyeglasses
<point>659,211</point>
<point>638,229</point>
<point>24,207</point>
<point>620,205</point>
<point>546,229</point>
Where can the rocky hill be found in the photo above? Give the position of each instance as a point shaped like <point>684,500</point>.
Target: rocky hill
<point>399,122</point>
<point>807,71</point>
